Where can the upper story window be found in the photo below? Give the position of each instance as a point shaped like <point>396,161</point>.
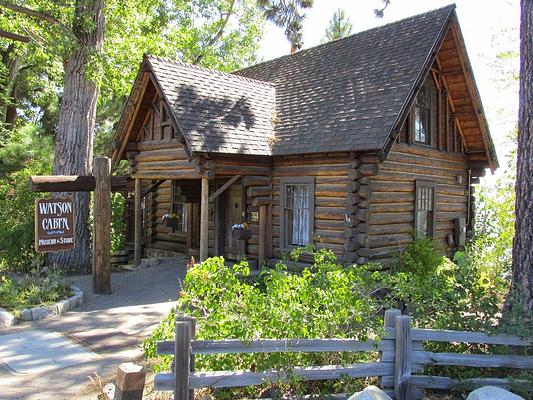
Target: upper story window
<point>297,203</point>
<point>422,117</point>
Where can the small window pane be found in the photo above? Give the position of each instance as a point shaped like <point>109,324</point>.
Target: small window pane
<point>297,214</point>
<point>422,117</point>
<point>425,206</point>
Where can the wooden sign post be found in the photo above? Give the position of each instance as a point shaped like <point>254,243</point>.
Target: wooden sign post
<point>102,184</point>
<point>102,226</point>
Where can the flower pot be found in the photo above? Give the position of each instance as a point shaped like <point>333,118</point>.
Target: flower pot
<point>241,234</point>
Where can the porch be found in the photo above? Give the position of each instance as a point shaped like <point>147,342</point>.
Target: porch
<point>196,218</point>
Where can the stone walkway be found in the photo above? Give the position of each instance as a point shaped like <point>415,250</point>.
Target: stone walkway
<point>110,328</point>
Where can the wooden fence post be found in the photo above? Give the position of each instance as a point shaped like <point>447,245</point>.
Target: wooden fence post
<point>389,321</point>
<point>102,226</point>
<point>130,382</point>
<point>402,359</point>
<point>182,358</point>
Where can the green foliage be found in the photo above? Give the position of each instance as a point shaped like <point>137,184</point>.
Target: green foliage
<point>32,291</point>
<point>118,224</point>
<point>325,300</point>
<point>441,294</point>
<point>17,216</point>
<point>421,258</point>
<point>25,143</point>
<point>339,26</point>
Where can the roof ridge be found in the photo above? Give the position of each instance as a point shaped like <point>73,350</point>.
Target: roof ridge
<point>214,71</point>
<point>450,6</point>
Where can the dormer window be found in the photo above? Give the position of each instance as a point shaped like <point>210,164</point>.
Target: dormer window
<point>422,117</point>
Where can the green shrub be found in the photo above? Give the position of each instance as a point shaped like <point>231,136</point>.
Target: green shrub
<point>326,300</point>
<point>32,290</point>
<point>421,257</point>
<point>443,294</point>
<point>17,216</point>
<point>118,225</point>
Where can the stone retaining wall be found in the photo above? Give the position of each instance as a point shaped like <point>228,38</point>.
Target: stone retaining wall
<point>35,313</point>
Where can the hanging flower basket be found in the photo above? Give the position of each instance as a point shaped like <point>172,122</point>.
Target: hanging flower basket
<point>241,232</point>
<point>171,220</point>
<point>171,223</point>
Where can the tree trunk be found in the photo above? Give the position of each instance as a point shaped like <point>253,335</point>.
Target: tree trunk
<point>520,299</point>
<point>75,130</point>
<point>13,63</point>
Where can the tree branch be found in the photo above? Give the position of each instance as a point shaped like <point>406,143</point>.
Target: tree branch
<point>35,14</point>
<point>14,36</point>
<point>379,12</point>
<point>218,35</point>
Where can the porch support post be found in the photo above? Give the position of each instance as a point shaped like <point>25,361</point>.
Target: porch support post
<point>204,225</point>
<point>262,234</point>
<point>137,243</point>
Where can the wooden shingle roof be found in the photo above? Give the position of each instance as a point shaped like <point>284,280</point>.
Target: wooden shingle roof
<point>347,95</point>
<point>351,94</point>
<point>217,112</point>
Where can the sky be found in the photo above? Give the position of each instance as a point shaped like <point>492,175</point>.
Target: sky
<point>489,27</point>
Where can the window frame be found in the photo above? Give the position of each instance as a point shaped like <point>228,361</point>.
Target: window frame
<point>432,185</point>
<point>184,223</point>
<point>287,181</point>
<point>429,94</point>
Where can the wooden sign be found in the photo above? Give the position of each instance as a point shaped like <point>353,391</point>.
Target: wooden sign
<point>54,224</point>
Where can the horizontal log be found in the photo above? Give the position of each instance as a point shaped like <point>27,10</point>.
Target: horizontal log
<point>224,170</point>
<point>257,180</point>
<point>307,170</point>
<point>368,169</point>
<point>474,360</point>
<point>261,201</point>
<point>389,240</point>
<point>74,183</point>
<point>184,174</point>
<point>462,336</point>
<point>390,228</point>
<point>441,382</point>
<point>235,346</point>
<point>315,161</point>
<point>335,213</point>
<point>220,379</point>
<point>161,155</point>
<point>392,208</point>
<point>258,191</point>
<point>165,165</point>
<point>388,219</point>
<point>158,145</point>
<point>425,151</point>
<point>429,160</point>
<point>370,159</point>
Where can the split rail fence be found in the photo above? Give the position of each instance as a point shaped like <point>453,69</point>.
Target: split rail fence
<point>401,348</point>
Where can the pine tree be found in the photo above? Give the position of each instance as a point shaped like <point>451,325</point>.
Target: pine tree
<point>339,26</point>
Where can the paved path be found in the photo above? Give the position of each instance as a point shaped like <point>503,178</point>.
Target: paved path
<point>107,330</point>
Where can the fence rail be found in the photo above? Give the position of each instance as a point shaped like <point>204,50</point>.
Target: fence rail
<point>402,354</point>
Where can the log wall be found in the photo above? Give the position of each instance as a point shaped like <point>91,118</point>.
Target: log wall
<point>330,173</point>
<point>392,201</point>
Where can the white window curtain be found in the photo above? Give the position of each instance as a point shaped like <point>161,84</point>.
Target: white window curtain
<point>297,208</point>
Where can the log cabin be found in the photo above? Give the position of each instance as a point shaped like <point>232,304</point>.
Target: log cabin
<point>355,145</point>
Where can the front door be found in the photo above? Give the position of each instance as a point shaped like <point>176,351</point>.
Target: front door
<point>231,212</point>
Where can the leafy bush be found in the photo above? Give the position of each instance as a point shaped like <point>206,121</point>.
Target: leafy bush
<point>329,300</point>
<point>118,225</point>
<point>446,295</point>
<point>326,300</point>
<point>32,291</point>
<point>17,216</point>
<point>421,257</point>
